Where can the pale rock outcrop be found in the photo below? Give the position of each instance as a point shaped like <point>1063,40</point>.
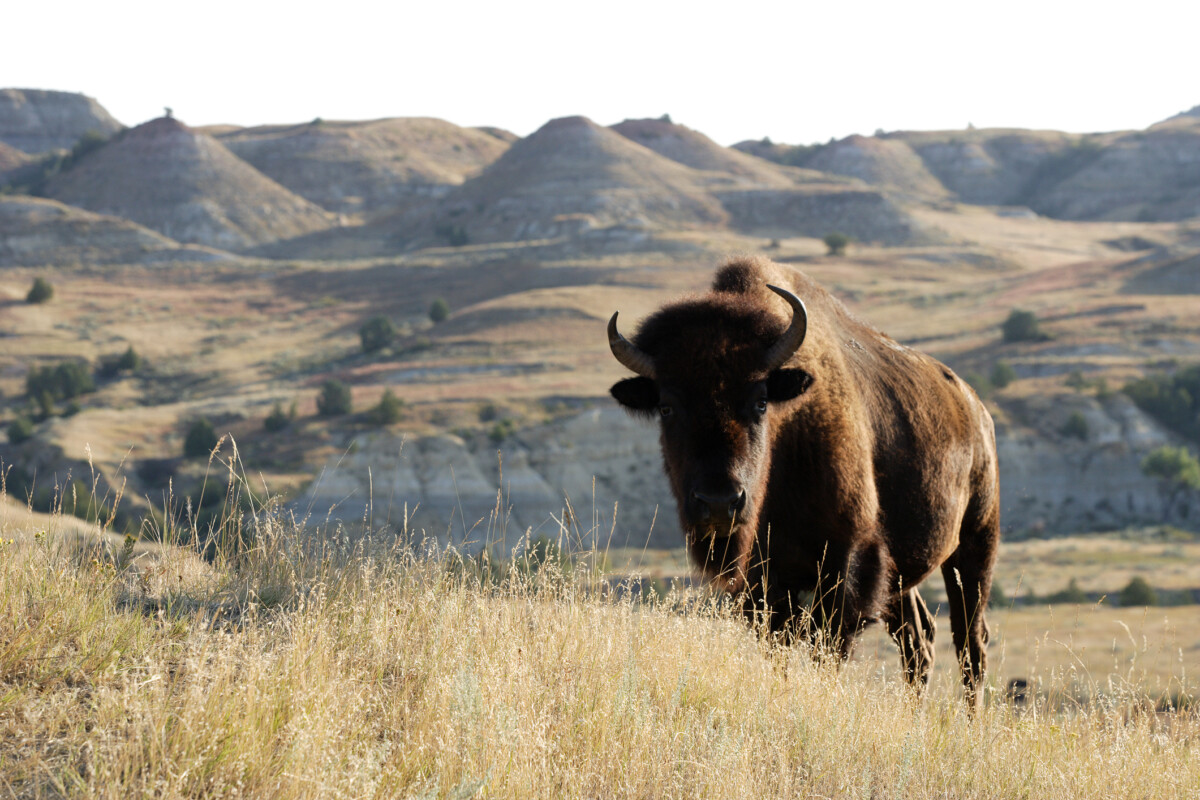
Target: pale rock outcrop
<point>581,470</point>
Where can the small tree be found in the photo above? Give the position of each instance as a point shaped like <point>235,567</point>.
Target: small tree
<point>200,440</point>
<point>277,420</point>
<point>836,243</point>
<point>61,382</point>
<point>376,333</point>
<point>439,309</point>
<point>388,411</point>
<point>1002,374</point>
<point>128,361</point>
<point>1138,593</point>
<point>20,430</point>
<point>1022,326</point>
<point>1177,471</point>
<point>1076,426</point>
<point>1071,594</point>
<point>112,366</point>
<point>40,292</point>
<point>334,399</point>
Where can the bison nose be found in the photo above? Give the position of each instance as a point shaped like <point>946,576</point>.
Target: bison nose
<point>720,504</point>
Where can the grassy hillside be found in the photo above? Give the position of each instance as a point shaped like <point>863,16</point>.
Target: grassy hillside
<point>331,666</point>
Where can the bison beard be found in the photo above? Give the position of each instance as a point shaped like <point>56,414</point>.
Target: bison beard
<point>820,469</point>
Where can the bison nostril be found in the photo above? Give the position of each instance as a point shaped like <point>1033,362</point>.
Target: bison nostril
<point>727,504</point>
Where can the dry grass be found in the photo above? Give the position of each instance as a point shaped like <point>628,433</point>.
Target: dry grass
<point>313,666</point>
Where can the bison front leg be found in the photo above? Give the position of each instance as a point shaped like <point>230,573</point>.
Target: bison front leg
<point>911,626</point>
<point>851,596</point>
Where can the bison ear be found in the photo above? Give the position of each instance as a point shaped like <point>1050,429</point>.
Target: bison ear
<point>637,395</point>
<point>787,384</point>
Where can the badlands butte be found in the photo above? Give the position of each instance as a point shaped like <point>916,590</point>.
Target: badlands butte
<point>240,264</point>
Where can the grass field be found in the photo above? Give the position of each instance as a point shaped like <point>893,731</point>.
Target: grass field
<point>311,666</point>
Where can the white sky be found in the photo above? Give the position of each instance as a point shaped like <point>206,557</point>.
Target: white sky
<point>795,71</point>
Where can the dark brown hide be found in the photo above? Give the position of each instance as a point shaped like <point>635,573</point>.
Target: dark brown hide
<point>847,475</point>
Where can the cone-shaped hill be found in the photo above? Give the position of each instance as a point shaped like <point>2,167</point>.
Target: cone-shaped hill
<point>35,120</point>
<point>35,232</point>
<point>696,150</point>
<point>187,186</point>
<point>571,174</point>
<point>368,167</point>
<point>881,162</point>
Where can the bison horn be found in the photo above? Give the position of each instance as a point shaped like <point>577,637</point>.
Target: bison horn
<point>793,337</point>
<point>625,352</point>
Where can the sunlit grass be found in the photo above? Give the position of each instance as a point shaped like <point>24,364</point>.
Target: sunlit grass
<point>306,664</point>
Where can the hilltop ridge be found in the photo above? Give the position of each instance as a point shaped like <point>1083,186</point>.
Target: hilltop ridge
<point>366,167</point>
<point>38,120</point>
<point>187,186</point>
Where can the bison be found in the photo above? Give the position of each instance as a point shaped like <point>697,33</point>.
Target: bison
<point>821,469</point>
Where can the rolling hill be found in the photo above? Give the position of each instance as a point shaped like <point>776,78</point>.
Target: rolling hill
<point>881,162</point>
<point>569,175</point>
<point>187,186</point>
<point>694,149</point>
<point>36,120</point>
<point>1151,175</point>
<point>37,232</point>
<point>366,167</point>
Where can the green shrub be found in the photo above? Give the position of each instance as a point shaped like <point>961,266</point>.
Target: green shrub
<point>836,243</point>
<point>200,440</point>
<point>1002,374</point>
<point>277,420</point>
<point>20,430</point>
<point>40,292</point>
<point>1174,400</point>
<point>1071,594</point>
<point>1022,326</point>
<point>1076,426</point>
<point>60,382</point>
<point>439,309</point>
<point>1138,593</point>
<point>1177,471</point>
<point>376,333</point>
<point>502,430</point>
<point>387,411</point>
<point>45,406</point>
<point>453,235</point>
<point>334,399</point>
<point>90,142</point>
<point>112,366</point>
<point>129,360</point>
<point>1174,465</point>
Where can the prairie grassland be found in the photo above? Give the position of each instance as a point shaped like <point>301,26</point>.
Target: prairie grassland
<point>308,666</point>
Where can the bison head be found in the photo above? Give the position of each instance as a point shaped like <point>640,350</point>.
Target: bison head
<point>712,370</point>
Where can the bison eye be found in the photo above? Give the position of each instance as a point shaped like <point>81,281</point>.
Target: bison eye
<point>665,411</point>
<point>761,406</point>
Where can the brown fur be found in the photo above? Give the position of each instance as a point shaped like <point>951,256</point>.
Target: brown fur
<point>872,466</point>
